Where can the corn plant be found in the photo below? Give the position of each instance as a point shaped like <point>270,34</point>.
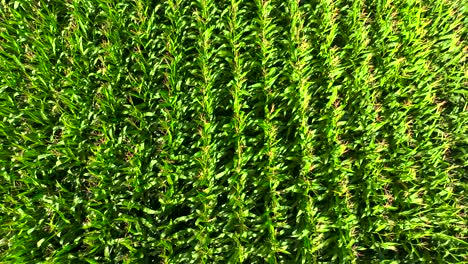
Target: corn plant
<point>233,131</point>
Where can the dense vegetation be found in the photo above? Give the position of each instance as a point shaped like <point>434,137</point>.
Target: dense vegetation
<point>233,131</point>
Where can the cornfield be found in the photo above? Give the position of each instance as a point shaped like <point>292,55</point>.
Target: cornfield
<point>233,131</point>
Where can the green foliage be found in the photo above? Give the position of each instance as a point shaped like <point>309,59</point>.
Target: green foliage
<point>233,131</point>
